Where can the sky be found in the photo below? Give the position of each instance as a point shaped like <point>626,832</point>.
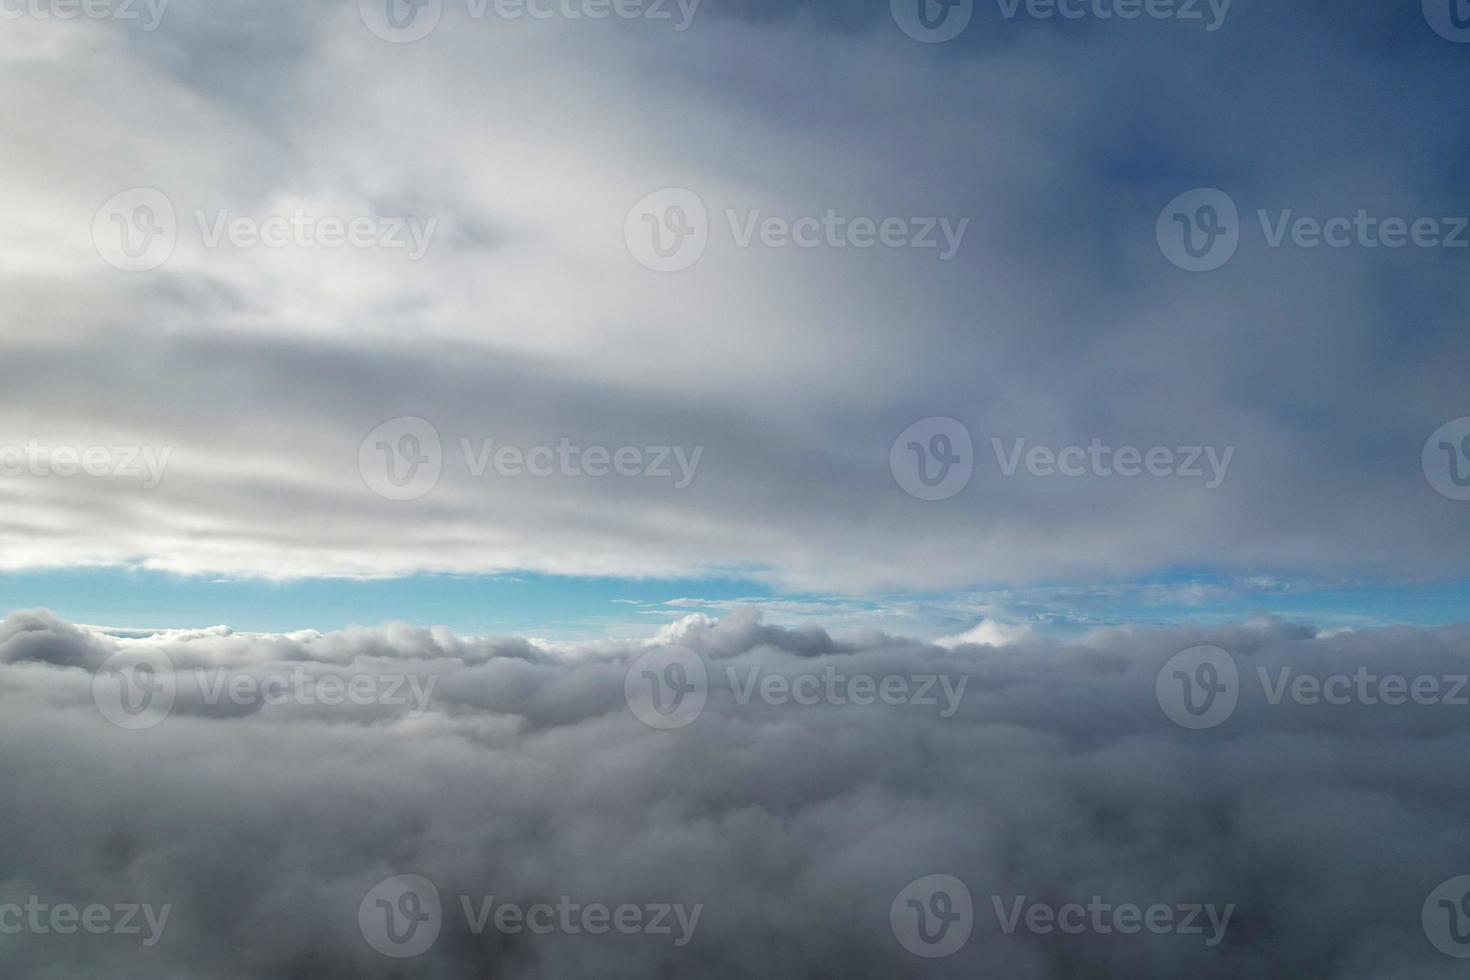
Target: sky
<point>584,608</point>
<point>872,242</point>
<point>880,487</point>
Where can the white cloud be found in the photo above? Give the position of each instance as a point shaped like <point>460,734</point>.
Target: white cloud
<point>987,633</point>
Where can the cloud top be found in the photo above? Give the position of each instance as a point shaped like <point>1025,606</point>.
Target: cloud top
<point>793,823</point>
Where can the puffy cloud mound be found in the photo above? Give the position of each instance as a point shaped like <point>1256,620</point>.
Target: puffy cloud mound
<point>263,817</point>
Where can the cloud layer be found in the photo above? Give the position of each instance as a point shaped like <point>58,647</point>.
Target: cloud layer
<point>528,321</point>
<point>527,776</point>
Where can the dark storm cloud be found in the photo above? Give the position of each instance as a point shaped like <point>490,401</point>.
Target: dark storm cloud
<point>527,777</point>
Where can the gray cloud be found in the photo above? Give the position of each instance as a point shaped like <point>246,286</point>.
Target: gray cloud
<point>1058,321</point>
<point>1059,777</point>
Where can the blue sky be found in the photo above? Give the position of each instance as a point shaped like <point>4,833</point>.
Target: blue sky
<point>580,608</point>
